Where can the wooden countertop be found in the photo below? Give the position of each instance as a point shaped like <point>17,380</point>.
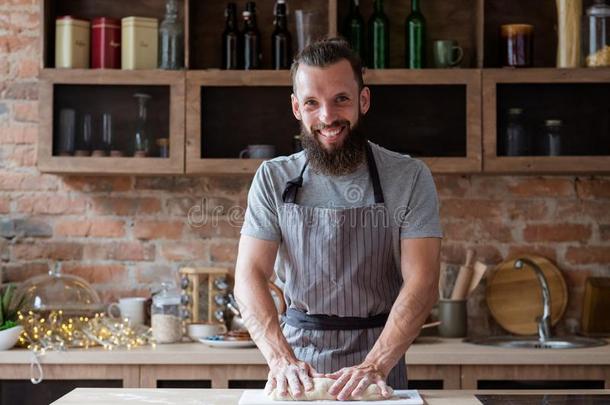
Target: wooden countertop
<point>118,396</point>
<point>433,351</point>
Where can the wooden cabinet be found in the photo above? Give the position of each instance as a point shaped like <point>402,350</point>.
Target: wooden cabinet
<point>577,97</point>
<point>95,92</point>
<point>450,118</point>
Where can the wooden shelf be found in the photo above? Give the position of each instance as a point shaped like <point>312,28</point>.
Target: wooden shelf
<point>197,81</point>
<point>51,9</point>
<point>472,146</point>
<point>460,20</point>
<point>242,78</point>
<point>111,76</point>
<point>493,78</point>
<point>206,23</point>
<point>50,79</point>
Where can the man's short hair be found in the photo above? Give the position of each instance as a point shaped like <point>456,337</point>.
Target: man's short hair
<point>324,53</point>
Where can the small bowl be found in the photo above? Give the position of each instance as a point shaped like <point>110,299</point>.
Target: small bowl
<point>9,337</point>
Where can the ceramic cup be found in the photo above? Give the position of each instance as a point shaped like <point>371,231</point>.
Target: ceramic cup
<point>453,317</point>
<point>258,152</point>
<point>133,308</point>
<point>447,53</point>
<point>202,330</point>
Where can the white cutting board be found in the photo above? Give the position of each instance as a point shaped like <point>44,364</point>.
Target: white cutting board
<point>258,397</point>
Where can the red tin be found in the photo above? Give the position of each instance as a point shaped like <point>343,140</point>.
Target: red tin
<point>105,43</point>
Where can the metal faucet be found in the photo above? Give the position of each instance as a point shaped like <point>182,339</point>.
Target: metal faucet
<point>544,321</point>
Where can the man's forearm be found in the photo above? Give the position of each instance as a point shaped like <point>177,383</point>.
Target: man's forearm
<point>261,318</point>
<point>408,314</point>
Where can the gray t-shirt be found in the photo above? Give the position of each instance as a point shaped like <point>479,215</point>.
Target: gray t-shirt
<point>408,190</point>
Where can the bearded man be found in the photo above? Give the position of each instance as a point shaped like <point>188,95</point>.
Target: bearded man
<point>351,232</point>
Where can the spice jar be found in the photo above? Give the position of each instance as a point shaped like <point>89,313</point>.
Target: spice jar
<point>516,45</point>
<point>163,146</point>
<point>166,321</point>
<point>597,35</point>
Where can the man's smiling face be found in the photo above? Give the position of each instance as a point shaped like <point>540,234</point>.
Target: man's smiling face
<point>328,102</point>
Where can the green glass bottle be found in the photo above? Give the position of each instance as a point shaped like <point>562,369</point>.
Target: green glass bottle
<point>379,38</point>
<point>416,38</point>
<point>354,29</point>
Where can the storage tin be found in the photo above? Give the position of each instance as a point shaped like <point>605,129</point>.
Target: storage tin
<point>105,43</point>
<point>139,42</point>
<point>71,42</point>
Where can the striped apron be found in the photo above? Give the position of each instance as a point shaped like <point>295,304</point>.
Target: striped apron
<point>340,279</point>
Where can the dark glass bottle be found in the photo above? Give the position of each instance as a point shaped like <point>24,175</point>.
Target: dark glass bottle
<point>171,39</point>
<point>231,41</point>
<point>379,38</point>
<point>252,38</point>
<point>354,29</point>
<point>281,41</point>
<point>416,38</point>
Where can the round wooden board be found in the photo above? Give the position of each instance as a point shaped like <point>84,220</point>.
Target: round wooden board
<point>514,297</point>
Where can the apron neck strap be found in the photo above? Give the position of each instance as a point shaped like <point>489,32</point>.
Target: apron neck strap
<point>292,186</point>
<point>374,174</point>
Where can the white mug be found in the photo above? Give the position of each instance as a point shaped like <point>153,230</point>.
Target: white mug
<point>133,308</point>
<point>202,330</point>
<point>258,152</point>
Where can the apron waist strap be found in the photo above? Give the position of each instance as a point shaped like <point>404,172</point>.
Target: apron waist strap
<point>301,320</point>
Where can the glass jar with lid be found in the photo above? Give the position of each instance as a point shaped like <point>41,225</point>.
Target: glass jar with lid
<point>551,141</point>
<point>597,34</point>
<point>165,314</point>
<point>514,140</point>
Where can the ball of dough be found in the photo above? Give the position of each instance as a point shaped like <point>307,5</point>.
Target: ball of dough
<point>320,392</point>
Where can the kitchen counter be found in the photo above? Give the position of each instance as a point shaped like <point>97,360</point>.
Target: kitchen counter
<point>118,396</point>
<point>431,351</point>
<point>437,363</point>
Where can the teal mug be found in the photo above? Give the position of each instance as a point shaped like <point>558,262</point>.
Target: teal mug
<point>447,53</point>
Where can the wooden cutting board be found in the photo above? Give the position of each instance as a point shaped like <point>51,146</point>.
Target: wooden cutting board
<point>514,296</point>
<point>258,397</point>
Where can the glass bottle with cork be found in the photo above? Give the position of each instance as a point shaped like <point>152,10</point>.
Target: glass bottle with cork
<point>416,38</point>
<point>281,41</point>
<point>171,39</point>
<point>379,38</point>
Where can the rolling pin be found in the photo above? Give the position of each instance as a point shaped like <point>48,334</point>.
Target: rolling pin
<point>479,271</point>
<point>460,289</point>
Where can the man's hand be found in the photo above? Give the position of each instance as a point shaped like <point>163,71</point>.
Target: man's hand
<point>290,375</point>
<point>353,381</point>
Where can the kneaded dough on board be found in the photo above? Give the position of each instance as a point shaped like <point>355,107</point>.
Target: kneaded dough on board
<point>320,392</point>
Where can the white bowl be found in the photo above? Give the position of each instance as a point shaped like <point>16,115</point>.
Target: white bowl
<point>9,337</point>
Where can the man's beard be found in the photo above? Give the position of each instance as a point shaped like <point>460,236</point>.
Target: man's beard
<point>342,160</point>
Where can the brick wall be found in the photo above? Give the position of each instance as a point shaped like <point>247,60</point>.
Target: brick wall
<point>125,234</point>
